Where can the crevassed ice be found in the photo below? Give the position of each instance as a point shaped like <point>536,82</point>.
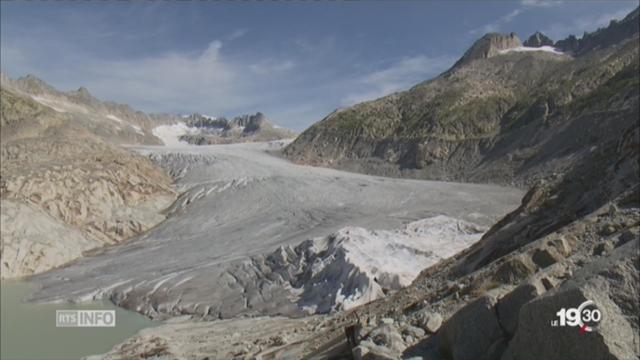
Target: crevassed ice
<point>356,264</point>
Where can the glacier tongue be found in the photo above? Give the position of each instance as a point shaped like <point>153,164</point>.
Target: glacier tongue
<point>354,265</point>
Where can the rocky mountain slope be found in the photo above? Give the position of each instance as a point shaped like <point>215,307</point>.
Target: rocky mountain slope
<point>566,123</point>
<point>66,186</point>
<point>116,123</point>
<point>502,114</point>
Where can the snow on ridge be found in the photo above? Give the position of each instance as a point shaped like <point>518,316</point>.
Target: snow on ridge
<point>545,48</point>
<point>59,105</point>
<point>354,265</point>
<point>137,129</point>
<point>170,134</point>
<point>114,118</point>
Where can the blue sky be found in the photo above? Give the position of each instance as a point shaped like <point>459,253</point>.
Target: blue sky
<point>295,61</point>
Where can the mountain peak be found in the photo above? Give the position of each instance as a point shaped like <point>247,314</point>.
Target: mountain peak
<point>83,91</point>
<point>538,39</point>
<point>488,46</point>
<point>616,32</point>
<point>33,84</point>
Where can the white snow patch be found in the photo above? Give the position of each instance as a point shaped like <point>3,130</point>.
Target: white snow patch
<point>60,105</point>
<point>170,134</point>
<point>137,128</point>
<point>114,118</point>
<point>545,48</point>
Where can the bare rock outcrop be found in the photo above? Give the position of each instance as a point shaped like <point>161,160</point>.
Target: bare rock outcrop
<point>611,284</point>
<point>538,39</point>
<point>489,46</point>
<point>79,190</point>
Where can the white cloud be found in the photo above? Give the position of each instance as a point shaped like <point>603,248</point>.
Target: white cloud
<point>204,81</point>
<point>399,76</point>
<point>541,3</point>
<point>512,15</point>
<point>497,24</point>
<point>293,89</point>
<point>271,67</point>
<point>237,34</point>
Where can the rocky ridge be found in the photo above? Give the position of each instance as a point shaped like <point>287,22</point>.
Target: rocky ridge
<point>243,128</point>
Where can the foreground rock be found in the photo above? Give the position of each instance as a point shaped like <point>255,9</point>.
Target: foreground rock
<point>613,285</point>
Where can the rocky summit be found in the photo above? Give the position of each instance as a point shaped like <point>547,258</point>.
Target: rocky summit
<point>206,130</point>
<point>538,39</point>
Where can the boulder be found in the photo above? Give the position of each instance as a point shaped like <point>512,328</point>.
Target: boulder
<point>614,291</point>
<point>602,248</point>
<point>472,331</point>
<point>546,256</point>
<point>388,336</point>
<point>428,320</point>
<point>413,331</point>
<point>509,306</point>
<point>561,245</point>
<point>367,350</point>
<point>515,270</point>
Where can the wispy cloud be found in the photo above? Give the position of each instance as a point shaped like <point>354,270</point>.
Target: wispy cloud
<point>541,3</point>
<point>237,34</point>
<point>398,76</point>
<point>497,25</point>
<point>185,80</point>
<point>271,67</point>
<point>525,5</point>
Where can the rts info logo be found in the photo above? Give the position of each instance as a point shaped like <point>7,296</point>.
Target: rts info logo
<point>586,316</point>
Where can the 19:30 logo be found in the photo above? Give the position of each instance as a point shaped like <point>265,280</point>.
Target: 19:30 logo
<point>587,316</point>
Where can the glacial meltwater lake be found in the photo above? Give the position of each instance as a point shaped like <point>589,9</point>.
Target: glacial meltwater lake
<point>28,331</point>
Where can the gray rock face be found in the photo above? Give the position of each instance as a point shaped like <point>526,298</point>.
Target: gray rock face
<point>489,46</point>
<point>472,331</point>
<point>611,284</point>
<point>508,307</point>
<point>538,39</point>
<point>515,269</point>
